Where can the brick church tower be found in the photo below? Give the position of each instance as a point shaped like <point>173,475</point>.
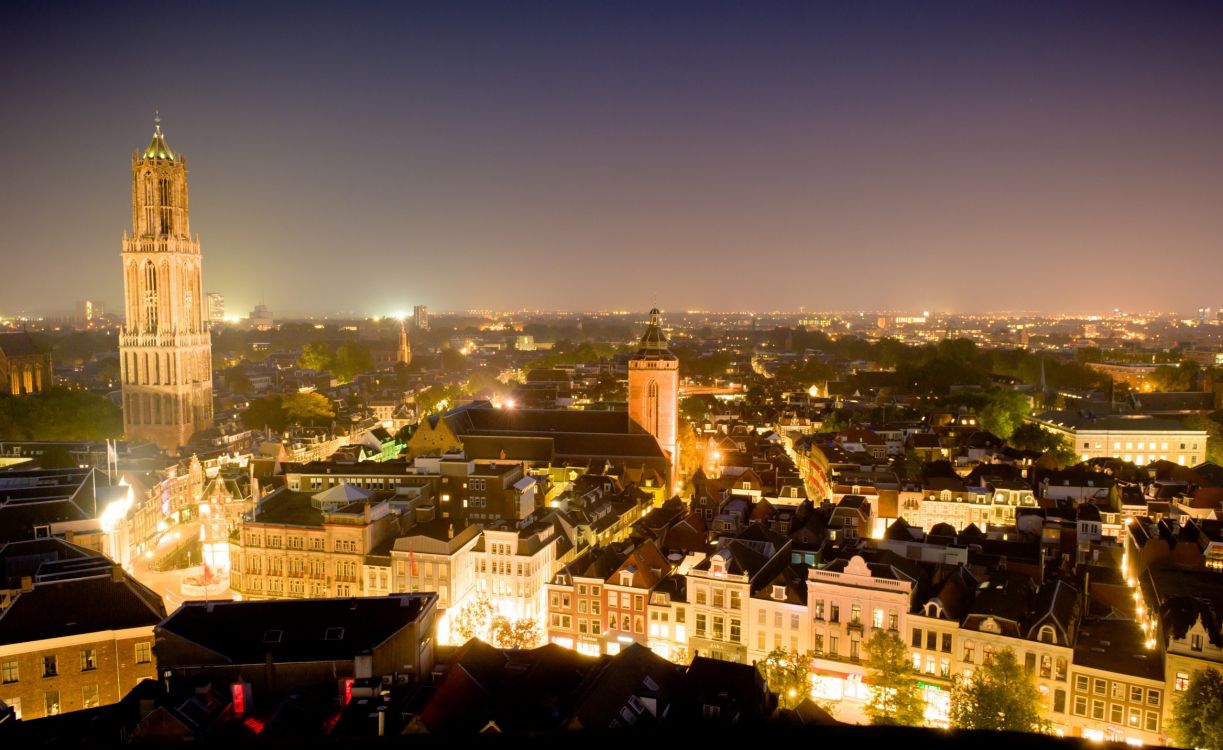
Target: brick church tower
<point>164,348</point>
<point>653,391</point>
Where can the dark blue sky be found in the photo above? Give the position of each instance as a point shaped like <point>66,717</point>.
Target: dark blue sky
<point>727,156</point>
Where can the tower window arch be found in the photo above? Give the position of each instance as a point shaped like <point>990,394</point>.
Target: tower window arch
<point>651,407</point>
<point>150,298</point>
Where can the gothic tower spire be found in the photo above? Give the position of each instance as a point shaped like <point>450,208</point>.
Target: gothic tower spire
<point>165,351</point>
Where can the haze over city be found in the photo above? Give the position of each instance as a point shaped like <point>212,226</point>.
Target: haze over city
<point>366,157</point>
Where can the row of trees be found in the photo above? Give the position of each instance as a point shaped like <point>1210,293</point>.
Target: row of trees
<point>278,412</point>
<point>932,368</point>
<point>346,361</point>
<point>59,414</point>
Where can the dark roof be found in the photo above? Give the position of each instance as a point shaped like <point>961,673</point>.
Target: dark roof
<point>482,418</point>
<point>1057,604</point>
<point>1117,646</point>
<point>654,341</point>
<point>82,605</point>
<point>50,556</point>
<point>512,447</point>
<point>288,508</point>
<point>245,632</point>
<point>792,579</point>
<point>634,671</point>
<point>1112,422</point>
<point>18,344</point>
<point>1174,401</point>
<point>1005,596</point>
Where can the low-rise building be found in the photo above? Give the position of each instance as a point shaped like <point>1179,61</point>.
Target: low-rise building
<point>77,632</point>
<point>259,650</point>
<point>1133,438</point>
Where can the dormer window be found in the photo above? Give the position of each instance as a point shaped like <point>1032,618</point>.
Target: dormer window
<point>779,592</point>
<point>626,578</point>
<point>1047,634</point>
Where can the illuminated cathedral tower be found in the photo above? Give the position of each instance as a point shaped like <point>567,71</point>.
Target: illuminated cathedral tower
<point>653,391</point>
<point>403,354</point>
<point>165,352</point>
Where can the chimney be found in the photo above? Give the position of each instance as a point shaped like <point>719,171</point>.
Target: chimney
<point>27,584</point>
<point>116,573</point>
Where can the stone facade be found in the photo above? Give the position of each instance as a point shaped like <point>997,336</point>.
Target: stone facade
<point>165,349</point>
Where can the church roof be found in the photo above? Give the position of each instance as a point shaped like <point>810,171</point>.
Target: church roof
<point>18,344</point>
<point>653,341</point>
<point>158,149</point>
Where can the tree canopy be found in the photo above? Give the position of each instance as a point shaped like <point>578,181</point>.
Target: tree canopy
<point>1005,412</point>
<point>787,674</point>
<point>999,696</point>
<point>265,413</point>
<point>316,355</point>
<point>1197,714</point>
<point>346,362</point>
<point>895,695</point>
<point>307,408</point>
<point>59,414</point>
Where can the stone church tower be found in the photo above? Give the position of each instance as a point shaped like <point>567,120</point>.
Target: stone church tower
<point>653,391</point>
<point>403,354</point>
<point>165,351</point>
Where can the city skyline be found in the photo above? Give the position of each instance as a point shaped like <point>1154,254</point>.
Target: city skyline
<point>710,156</point>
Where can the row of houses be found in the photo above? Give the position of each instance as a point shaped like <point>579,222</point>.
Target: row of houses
<point>953,599</point>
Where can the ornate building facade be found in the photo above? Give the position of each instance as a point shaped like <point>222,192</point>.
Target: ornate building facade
<point>165,350</point>
<point>653,391</point>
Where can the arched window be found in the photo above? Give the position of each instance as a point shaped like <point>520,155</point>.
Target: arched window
<point>651,408</point>
<point>150,298</point>
<point>166,203</point>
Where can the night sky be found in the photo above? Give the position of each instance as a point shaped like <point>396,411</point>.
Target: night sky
<point>727,156</point>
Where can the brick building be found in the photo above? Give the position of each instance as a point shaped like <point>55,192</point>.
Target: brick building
<point>60,650</point>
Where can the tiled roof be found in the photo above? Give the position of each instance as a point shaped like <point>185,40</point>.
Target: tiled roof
<point>295,630</point>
